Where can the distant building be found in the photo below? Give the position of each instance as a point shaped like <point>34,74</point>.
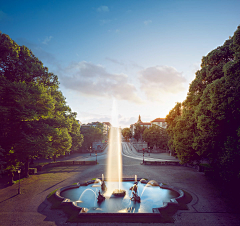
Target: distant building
<point>145,124</point>
<point>94,124</point>
<point>84,128</point>
<point>159,122</point>
<point>106,127</point>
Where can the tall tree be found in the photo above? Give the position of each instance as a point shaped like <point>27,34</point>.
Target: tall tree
<point>91,135</point>
<point>209,124</point>
<point>35,118</point>
<point>171,120</point>
<point>126,132</point>
<point>138,132</point>
<point>155,136</point>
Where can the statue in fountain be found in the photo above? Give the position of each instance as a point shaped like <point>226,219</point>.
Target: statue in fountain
<point>103,186</point>
<point>100,197</point>
<point>135,197</point>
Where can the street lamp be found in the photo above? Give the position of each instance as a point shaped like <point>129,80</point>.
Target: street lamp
<point>19,188</point>
<point>96,157</point>
<point>90,150</point>
<point>143,155</point>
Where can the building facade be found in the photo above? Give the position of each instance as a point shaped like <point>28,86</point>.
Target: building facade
<point>106,127</point>
<point>158,121</point>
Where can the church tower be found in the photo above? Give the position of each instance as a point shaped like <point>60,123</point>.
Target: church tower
<point>139,119</point>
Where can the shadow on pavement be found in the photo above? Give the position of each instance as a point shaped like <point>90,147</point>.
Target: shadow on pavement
<point>9,198</point>
<point>52,186</point>
<point>52,215</point>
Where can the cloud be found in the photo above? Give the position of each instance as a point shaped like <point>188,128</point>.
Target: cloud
<point>47,40</point>
<point>90,79</point>
<point>103,8</point>
<point>146,22</point>
<point>129,64</point>
<point>86,117</point>
<point>126,122</point>
<point>158,80</point>
<point>103,22</point>
<point>114,61</point>
<point>135,65</point>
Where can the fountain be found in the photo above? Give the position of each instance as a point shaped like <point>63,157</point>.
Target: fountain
<point>114,160</point>
<point>139,197</point>
<point>117,195</point>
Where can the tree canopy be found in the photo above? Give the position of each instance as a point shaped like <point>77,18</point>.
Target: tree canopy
<point>91,134</point>
<point>35,119</point>
<point>207,124</point>
<point>155,136</point>
<point>126,132</point>
<point>138,132</point>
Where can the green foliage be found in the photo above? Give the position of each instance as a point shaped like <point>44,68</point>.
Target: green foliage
<point>156,136</point>
<point>207,124</point>
<point>75,133</point>
<point>91,134</point>
<point>138,132</point>
<point>171,120</point>
<point>35,120</point>
<point>126,132</point>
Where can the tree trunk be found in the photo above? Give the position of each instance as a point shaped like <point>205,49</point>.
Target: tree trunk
<point>10,178</point>
<point>27,167</point>
<point>54,158</point>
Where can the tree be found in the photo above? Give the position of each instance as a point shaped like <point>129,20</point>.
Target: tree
<point>138,132</point>
<point>171,120</point>
<point>90,135</point>
<point>75,133</point>
<point>207,124</point>
<point>218,113</point>
<point>100,126</point>
<point>184,134</point>
<point>155,136</point>
<point>126,132</point>
<point>35,119</point>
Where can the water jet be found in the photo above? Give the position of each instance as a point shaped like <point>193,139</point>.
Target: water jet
<point>119,197</point>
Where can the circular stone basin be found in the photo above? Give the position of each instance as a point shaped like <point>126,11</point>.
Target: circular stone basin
<point>152,196</point>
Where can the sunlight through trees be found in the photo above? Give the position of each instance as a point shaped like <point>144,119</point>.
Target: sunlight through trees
<point>206,126</point>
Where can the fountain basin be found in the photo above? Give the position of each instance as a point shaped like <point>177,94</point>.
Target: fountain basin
<point>83,197</point>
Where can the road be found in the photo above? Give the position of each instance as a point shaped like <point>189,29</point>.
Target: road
<point>130,152</point>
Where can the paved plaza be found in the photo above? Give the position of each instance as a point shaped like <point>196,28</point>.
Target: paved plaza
<point>208,207</point>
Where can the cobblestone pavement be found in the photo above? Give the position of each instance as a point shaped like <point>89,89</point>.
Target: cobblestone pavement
<point>32,208</point>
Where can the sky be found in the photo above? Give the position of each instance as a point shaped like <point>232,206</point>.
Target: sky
<point>141,54</point>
